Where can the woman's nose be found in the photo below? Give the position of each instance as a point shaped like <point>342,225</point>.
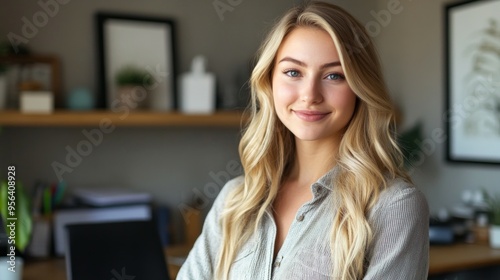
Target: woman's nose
<point>311,92</point>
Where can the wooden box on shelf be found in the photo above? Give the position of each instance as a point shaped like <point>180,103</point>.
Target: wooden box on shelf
<point>43,70</point>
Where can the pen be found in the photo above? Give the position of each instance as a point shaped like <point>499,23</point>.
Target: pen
<point>61,187</point>
<point>47,201</point>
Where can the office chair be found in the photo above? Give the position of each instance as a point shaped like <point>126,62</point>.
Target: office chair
<point>115,251</point>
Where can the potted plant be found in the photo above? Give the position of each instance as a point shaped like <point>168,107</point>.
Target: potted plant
<point>15,212</point>
<point>133,84</point>
<point>409,142</point>
<point>493,202</point>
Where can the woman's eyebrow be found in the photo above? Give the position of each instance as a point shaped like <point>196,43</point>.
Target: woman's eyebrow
<point>301,63</point>
<point>293,60</point>
<point>330,64</point>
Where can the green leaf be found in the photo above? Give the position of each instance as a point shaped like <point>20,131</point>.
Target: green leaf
<point>3,200</point>
<point>22,213</point>
<point>408,142</point>
<point>132,75</point>
<point>493,202</point>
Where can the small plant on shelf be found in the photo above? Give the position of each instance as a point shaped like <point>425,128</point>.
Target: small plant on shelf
<point>132,75</point>
<point>133,84</point>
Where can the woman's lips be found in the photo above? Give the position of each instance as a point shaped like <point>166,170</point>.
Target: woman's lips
<point>310,116</point>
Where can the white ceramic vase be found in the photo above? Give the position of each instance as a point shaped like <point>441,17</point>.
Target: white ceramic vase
<point>495,236</point>
<point>7,271</point>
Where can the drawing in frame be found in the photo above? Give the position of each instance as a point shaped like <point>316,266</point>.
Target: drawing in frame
<point>473,82</point>
<point>141,42</point>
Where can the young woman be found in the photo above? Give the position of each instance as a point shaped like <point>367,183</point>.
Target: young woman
<point>324,194</point>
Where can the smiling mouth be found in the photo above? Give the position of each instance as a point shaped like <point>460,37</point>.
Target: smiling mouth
<point>310,116</point>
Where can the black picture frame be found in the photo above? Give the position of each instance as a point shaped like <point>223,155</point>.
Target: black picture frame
<point>472,112</point>
<point>149,42</point>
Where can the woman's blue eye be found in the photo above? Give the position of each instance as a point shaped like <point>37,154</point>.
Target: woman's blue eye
<point>334,77</point>
<point>292,73</point>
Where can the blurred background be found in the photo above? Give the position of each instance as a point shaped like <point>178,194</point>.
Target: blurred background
<point>175,164</point>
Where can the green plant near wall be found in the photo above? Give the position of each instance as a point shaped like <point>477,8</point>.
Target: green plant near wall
<point>493,202</point>
<point>408,141</point>
<point>15,210</point>
<point>132,75</point>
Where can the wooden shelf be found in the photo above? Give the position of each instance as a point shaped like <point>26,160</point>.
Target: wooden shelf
<point>14,118</point>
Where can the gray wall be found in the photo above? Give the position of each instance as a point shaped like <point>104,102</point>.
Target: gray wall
<point>173,164</point>
<point>411,47</point>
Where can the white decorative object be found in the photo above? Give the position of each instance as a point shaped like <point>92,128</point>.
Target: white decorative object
<point>7,266</point>
<point>37,102</point>
<point>495,236</point>
<point>197,89</point>
<point>3,91</point>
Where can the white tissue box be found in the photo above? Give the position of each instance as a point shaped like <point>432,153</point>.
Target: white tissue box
<point>37,102</point>
<point>197,94</point>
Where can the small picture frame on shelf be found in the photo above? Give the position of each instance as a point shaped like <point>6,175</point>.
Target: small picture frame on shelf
<point>29,73</point>
<point>137,66</point>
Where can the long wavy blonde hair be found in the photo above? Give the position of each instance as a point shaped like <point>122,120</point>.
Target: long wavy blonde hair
<point>368,155</point>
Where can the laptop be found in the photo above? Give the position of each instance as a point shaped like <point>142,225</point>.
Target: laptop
<point>115,251</point>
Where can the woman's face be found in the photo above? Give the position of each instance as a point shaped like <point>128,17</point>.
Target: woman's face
<point>311,95</point>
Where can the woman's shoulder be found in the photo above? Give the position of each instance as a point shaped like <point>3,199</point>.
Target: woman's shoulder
<point>233,184</point>
<point>230,186</point>
<point>401,195</point>
<point>226,190</point>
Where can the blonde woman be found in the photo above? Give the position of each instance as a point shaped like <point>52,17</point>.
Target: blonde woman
<point>324,194</point>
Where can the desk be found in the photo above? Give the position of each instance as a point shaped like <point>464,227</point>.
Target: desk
<point>443,259</point>
<point>55,269</point>
<point>451,258</point>
<point>45,269</point>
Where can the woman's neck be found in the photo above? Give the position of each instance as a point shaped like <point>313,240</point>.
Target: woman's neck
<point>312,160</point>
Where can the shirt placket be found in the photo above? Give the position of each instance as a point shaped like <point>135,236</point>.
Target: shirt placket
<point>296,229</point>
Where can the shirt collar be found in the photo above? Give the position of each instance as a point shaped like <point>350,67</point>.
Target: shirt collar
<point>326,181</point>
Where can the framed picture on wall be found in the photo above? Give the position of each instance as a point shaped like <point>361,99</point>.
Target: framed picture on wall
<point>473,81</point>
<point>130,46</point>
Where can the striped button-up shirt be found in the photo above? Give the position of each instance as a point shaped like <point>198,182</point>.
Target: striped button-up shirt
<point>399,251</point>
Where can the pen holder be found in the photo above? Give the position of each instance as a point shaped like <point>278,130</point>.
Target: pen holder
<point>40,244</point>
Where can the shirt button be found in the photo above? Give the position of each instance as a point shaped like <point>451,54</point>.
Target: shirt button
<point>278,261</point>
<point>300,218</point>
